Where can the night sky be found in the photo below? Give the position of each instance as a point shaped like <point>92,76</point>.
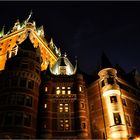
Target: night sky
<point>85,29</point>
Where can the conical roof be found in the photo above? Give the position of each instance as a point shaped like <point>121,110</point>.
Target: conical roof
<point>63,61</point>
<point>105,63</point>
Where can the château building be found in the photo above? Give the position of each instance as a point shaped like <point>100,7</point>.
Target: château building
<point>44,96</point>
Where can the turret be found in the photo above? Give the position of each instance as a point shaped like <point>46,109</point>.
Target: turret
<point>113,108</point>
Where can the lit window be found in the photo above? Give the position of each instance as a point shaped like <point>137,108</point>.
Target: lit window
<point>80,88</point>
<point>113,99</point>
<point>83,125</point>
<point>68,87</point>
<point>66,108</point>
<point>82,105</point>
<point>61,107</point>
<point>61,122</point>
<point>69,91</point>
<point>57,87</point>
<point>57,92</point>
<point>45,105</point>
<point>46,89</point>
<point>117,118</point>
<point>63,91</point>
<point>66,124</point>
<point>63,87</point>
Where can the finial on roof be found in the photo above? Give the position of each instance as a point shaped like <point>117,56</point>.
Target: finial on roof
<point>2,31</point>
<point>29,16</point>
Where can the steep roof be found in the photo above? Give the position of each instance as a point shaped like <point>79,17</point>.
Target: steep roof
<point>27,45</point>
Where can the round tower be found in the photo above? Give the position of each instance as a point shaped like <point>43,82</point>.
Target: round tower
<point>113,110</point>
<point>81,105</point>
<point>19,94</point>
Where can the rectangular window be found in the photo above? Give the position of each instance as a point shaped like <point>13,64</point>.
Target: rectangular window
<point>30,84</point>
<point>63,92</point>
<point>45,105</point>
<point>61,106</point>
<point>127,120</point>
<point>46,89</point>
<point>124,102</point>
<point>18,118</point>
<point>63,87</point>
<point>58,91</point>
<point>117,118</point>
<point>14,82</point>
<point>12,99</point>
<point>8,118</point>
<point>102,83</point>
<point>66,124</point>
<point>69,91</point>
<point>83,125</point>
<point>110,80</point>
<point>23,82</point>
<point>66,107</point>
<point>28,101</point>
<point>82,105</point>
<point>27,120</point>
<point>20,99</point>
<point>113,99</point>
<point>80,88</point>
<point>61,122</point>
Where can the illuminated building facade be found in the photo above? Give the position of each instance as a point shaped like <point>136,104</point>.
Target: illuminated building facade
<point>42,95</point>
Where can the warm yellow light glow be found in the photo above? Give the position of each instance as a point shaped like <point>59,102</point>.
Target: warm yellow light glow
<point>80,88</point>
<point>57,92</point>
<point>68,87</point>
<point>46,89</point>
<point>111,92</point>
<point>137,138</point>
<point>69,92</point>
<point>45,105</point>
<point>63,91</point>
<point>57,87</point>
<point>63,87</point>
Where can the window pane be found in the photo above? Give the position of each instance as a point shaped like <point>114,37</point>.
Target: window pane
<point>8,118</point>
<point>117,118</point>
<point>113,99</point>
<point>27,120</point>
<point>110,80</point>
<point>30,84</point>
<point>18,118</point>
<point>28,101</point>
<point>22,82</point>
<point>20,99</point>
<point>124,102</point>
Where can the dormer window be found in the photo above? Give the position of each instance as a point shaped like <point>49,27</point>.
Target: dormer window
<point>62,70</point>
<point>110,80</point>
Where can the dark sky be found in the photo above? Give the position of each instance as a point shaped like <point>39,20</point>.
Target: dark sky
<point>85,29</point>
